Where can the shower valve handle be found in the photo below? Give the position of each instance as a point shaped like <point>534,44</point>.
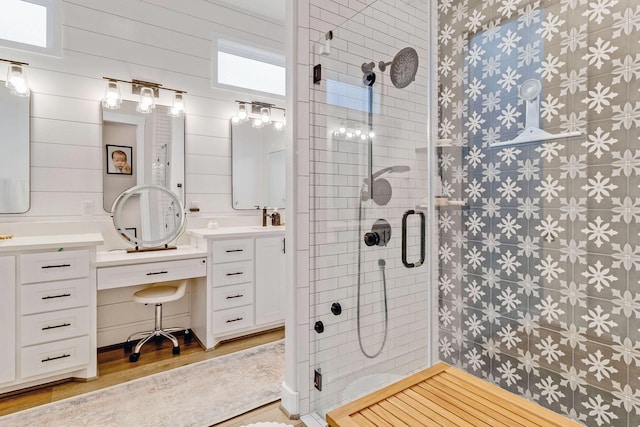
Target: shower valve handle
<point>371,238</point>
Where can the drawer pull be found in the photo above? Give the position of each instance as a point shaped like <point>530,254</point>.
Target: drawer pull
<point>157,272</point>
<point>64,325</point>
<point>49,359</point>
<point>234,250</point>
<point>56,296</point>
<point>56,266</point>
<point>235,274</point>
<point>235,320</point>
<point>235,296</point>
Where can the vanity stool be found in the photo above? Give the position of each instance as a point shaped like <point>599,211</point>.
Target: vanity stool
<point>156,294</point>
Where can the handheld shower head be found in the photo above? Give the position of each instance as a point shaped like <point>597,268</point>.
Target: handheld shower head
<point>382,188</point>
<point>392,169</point>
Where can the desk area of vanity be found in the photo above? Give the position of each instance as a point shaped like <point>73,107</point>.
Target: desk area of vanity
<point>63,299</point>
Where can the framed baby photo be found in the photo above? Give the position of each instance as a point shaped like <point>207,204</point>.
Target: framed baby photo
<point>119,160</point>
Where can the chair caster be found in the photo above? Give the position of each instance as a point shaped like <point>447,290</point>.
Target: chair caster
<point>134,357</point>
<point>176,350</point>
<point>128,347</point>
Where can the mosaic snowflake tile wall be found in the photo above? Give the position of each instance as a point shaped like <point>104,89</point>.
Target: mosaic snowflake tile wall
<point>539,273</point>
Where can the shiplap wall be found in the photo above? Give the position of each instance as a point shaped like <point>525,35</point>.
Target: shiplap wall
<point>162,41</point>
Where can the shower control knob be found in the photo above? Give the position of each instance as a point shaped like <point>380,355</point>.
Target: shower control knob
<point>319,327</point>
<point>371,238</point>
<point>336,309</point>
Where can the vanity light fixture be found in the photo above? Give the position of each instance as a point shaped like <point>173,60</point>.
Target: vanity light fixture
<point>262,112</point>
<point>148,91</point>
<point>17,78</point>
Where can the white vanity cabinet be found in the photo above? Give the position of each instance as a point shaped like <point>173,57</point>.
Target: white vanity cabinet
<point>7,319</point>
<point>245,285</point>
<point>47,309</point>
<point>269,280</point>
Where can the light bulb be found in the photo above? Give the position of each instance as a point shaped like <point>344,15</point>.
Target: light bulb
<point>257,123</point>
<point>342,130</point>
<point>349,135</point>
<point>265,115</point>
<point>17,81</point>
<point>363,136</point>
<point>112,99</point>
<point>358,132</point>
<point>147,102</point>
<point>235,120</point>
<point>242,112</point>
<point>279,126</point>
<point>177,109</point>
<point>372,134</point>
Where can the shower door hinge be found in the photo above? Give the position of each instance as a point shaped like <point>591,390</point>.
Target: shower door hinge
<point>317,379</point>
<point>317,74</point>
<point>284,245</point>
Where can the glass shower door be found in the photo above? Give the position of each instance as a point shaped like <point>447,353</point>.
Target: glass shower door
<point>370,273</point>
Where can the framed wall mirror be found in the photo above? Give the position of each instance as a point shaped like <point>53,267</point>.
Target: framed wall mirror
<point>14,143</point>
<point>141,149</point>
<point>257,166</point>
<point>148,216</point>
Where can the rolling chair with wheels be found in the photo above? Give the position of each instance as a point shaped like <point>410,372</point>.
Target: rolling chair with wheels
<point>157,294</point>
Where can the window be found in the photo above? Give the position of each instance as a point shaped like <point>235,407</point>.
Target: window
<point>31,25</point>
<point>249,68</point>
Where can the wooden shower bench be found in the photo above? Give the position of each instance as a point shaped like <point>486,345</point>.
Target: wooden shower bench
<point>443,396</point>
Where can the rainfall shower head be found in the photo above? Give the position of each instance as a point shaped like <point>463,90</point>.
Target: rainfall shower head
<point>404,67</point>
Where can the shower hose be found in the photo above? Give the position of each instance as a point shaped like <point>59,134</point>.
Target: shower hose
<point>381,264</point>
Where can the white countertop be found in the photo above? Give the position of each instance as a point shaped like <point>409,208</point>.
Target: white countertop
<point>246,231</point>
<point>61,241</point>
<point>121,257</point>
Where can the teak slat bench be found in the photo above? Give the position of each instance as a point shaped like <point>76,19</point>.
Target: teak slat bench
<point>443,396</point>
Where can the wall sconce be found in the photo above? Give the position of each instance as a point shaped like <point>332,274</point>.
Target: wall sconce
<point>148,91</point>
<point>260,113</point>
<point>17,78</point>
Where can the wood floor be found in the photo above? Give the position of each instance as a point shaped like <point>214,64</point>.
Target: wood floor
<point>114,368</point>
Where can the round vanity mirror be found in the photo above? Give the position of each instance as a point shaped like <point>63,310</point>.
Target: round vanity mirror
<point>148,217</point>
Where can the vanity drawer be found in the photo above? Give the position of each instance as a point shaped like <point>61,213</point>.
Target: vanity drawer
<point>42,297</point>
<point>233,319</point>
<point>50,266</point>
<point>232,250</point>
<point>55,356</point>
<point>232,273</point>
<point>57,325</point>
<point>232,296</point>
<point>151,272</point>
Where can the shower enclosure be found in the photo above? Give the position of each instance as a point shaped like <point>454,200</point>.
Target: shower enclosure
<point>370,153</point>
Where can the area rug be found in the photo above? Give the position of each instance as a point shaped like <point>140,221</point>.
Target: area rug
<point>200,394</point>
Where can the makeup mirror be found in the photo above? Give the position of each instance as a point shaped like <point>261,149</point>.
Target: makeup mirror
<point>148,217</point>
<point>141,149</point>
<point>257,166</point>
<point>14,143</point>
